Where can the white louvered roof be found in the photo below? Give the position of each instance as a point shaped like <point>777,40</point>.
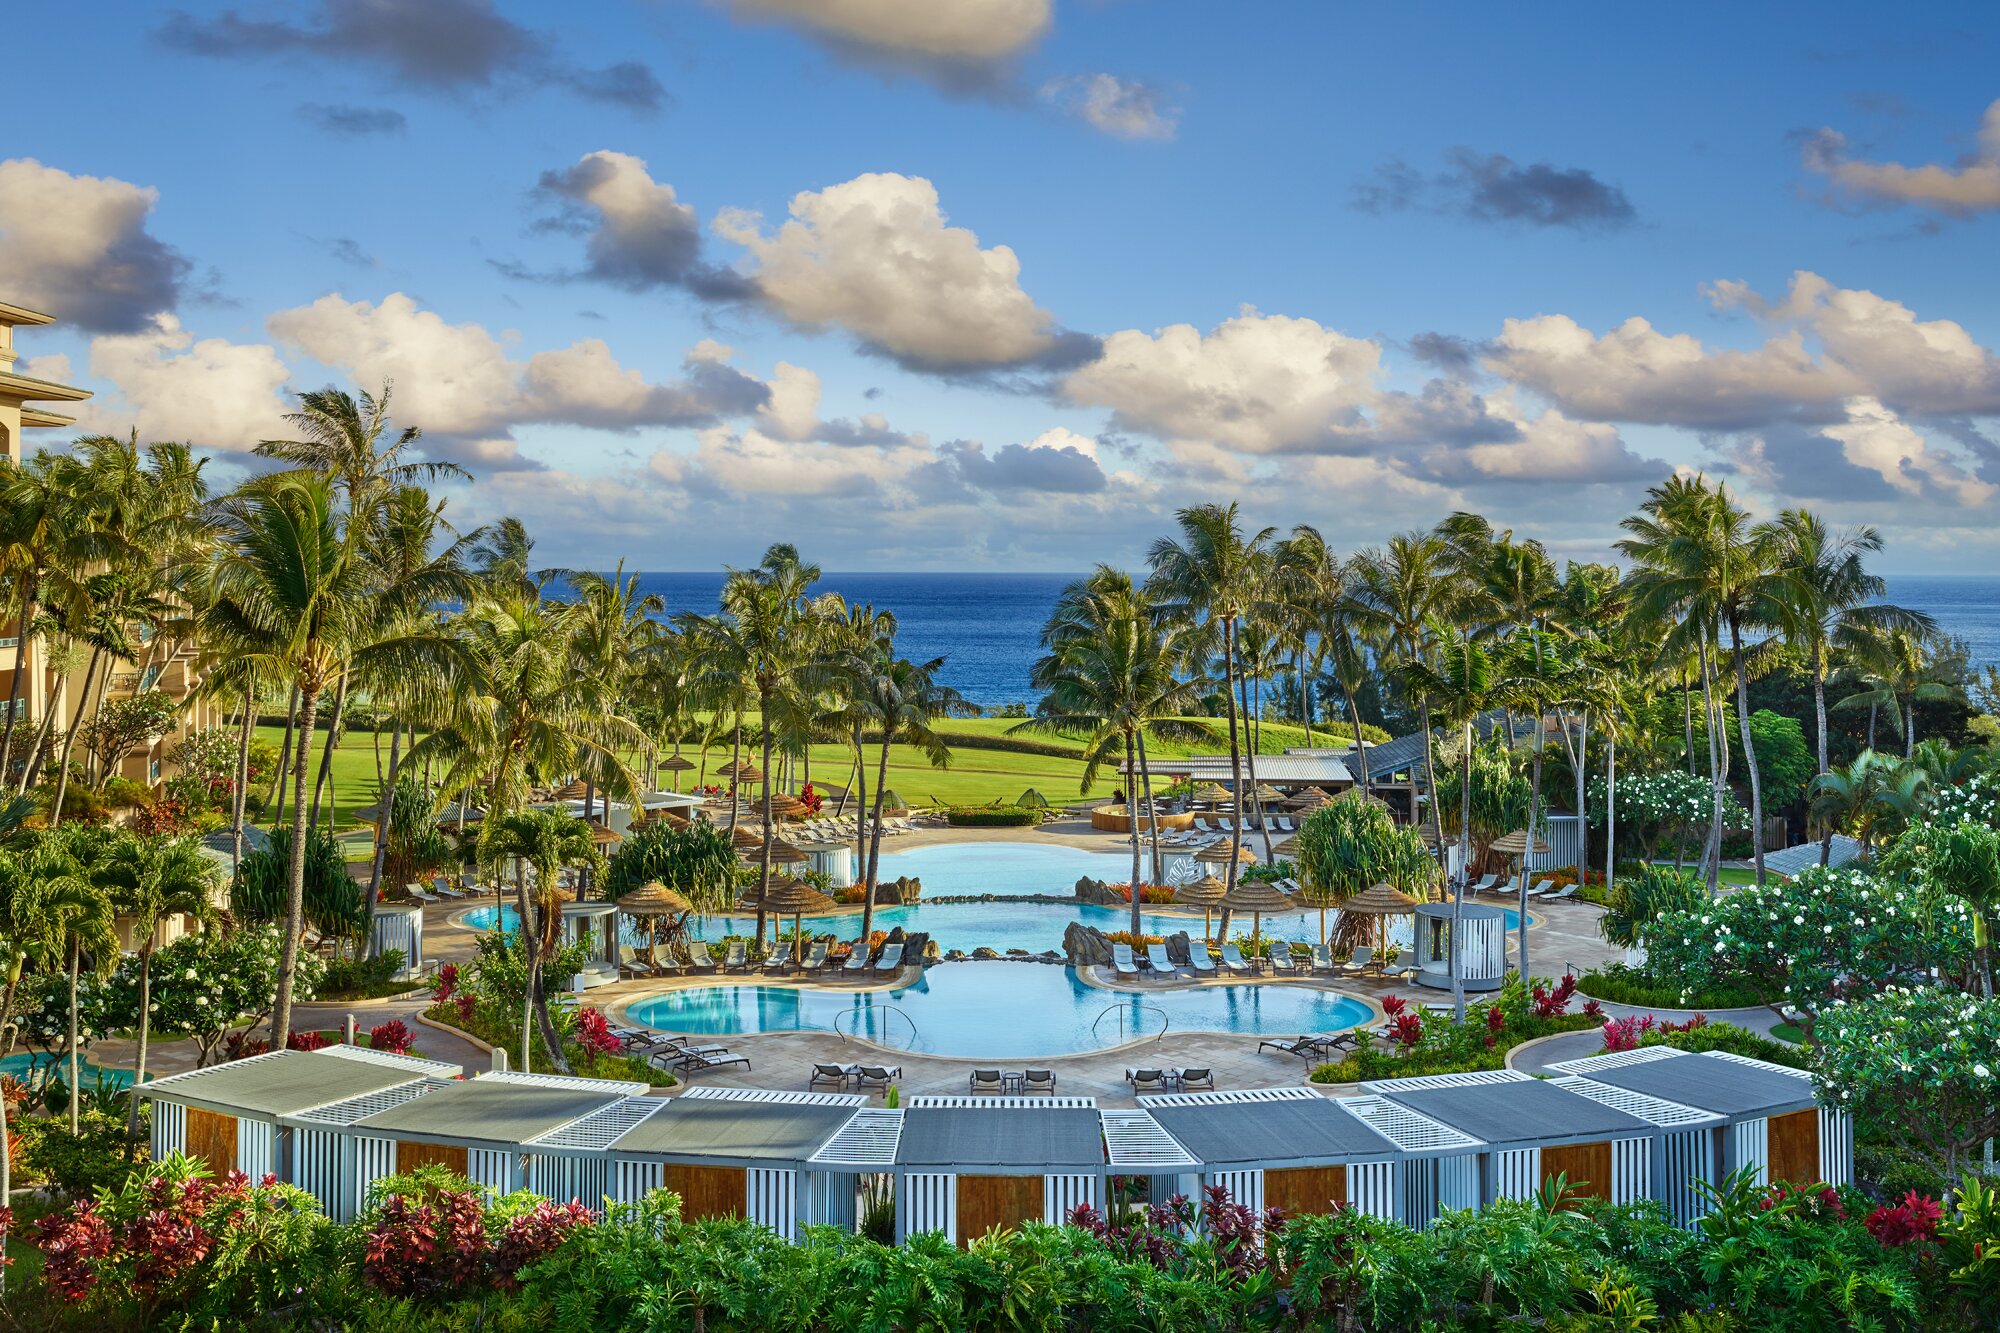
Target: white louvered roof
<point>601,1129</point>
<point>1658,1110</point>
<point>415,1063</point>
<point>567,1082</point>
<point>769,1096</point>
<point>1407,1129</point>
<point>1613,1059</point>
<point>355,1108</point>
<point>1136,1142</point>
<point>1471,1078</point>
<point>962,1102</point>
<point>1230,1097</point>
<point>865,1143</point>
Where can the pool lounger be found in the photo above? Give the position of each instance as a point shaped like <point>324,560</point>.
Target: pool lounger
<point>986,1080</point>
<point>1305,1048</point>
<point>1281,955</point>
<point>1121,961</point>
<point>1147,1080</point>
<point>857,958</point>
<point>1198,957</point>
<point>1163,966</point>
<point>739,957</point>
<point>1232,959</point>
<point>891,959</point>
<point>696,1061</point>
<point>698,955</point>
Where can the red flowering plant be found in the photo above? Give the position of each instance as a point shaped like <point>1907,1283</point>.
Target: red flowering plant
<point>175,1238</point>
<point>593,1033</point>
<point>534,1235</point>
<point>306,1041</point>
<point>1914,1221</point>
<point>810,799</point>
<point>1394,1004</point>
<point>1625,1034</point>
<point>392,1036</point>
<point>431,1235</point>
<point>1164,1234</point>
<point>1407,1030</point>
<point>446,984</point>
<point>1553,1003</point>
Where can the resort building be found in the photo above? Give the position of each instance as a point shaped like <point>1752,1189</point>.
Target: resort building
<point>34,683</point>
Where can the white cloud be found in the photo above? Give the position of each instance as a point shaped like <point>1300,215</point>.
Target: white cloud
<point>458,382</point>
<point>1256,383</point>
<point>1549,448</point>
<point>874,256</point>
<point>1123,108</point>
<point>970,30</point>
<point>792,411</point>
<point>1874,438</point>
<point>1972,185</point>
<point>168,385</point>
<point>77,247</point>
<point>640,236</point>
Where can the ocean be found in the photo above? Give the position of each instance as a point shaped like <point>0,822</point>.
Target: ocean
<point>988,627</point>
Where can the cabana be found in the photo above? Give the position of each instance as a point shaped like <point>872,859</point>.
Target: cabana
<point>1531,1132</point>
<point>968,1165</point>
<point>479,1128</point>
<point>1440,1166</point>
<point>1686,1149</point>
<point>1286,1148</point>
<point>594,923</point>
<point>1482,951</point>
<point>782,1159</point>
<point>1770,1118</point>
<point>230,1115</point>
<point>400,926</point>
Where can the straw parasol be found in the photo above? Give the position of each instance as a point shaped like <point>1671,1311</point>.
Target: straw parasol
<point>570,791</point>
<point>1380,900</point>
<point>675,763</point>
<point>1257,897</point>
<point>1204,893</point>
<point>1266,794</point>
<point>1212,794</point>
<point>784,806</point>
<point>782,853</point>
<point>744,771</point>
<point>1218,854</point>
<point>601,835</point>
<point>794,898</point>
<point>742,839</point>
<point>1517,845</point>
<point>654,899</point>
<point>1312,798</point>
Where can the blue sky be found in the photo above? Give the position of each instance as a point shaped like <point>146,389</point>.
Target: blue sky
<point>1000,283</point>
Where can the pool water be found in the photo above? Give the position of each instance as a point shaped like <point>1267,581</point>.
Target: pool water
<point>999,1011</point>
<point>21,1064</point>
<point>1005,925</point>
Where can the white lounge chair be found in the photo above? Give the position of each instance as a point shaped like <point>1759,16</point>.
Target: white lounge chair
<point>1281,955</point>
<point>1121,961</point>
<point>418,894</point>
<point>857,958</point>
<point>1358,963</point>
<point>891,959</point>
<point>1566,891</point>
<point>1322,958</point>
<point>698,955</point>
<point>1163,966</point>
<point>1486,882</point>
<point>1232,960</point>
<point>1198,958</point>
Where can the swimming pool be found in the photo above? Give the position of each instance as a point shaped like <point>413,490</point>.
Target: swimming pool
<point>996,1011</point>
<point>1009,924</point>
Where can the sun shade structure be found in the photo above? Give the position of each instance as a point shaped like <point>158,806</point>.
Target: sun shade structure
<point>1380,900</point>
<point>969,1165</point>
<point>1032,800</point>
<point>1518,843</point>
<point>1210,794</point>
<point>1266,794</point>
<point>1770,1120</point>
<point>1312,798</point>
<point>1257,897</point>
<point>229,1115</point>
<point>1205,893</point>
<point>655,899</point>
<point>1482,947</point>
<point>571,791</point>
<point>1284,1148</point>
<point>794,898</point>
<point>782,853</point>
<point>1219,855</point>
<point>675,763</point>
<point>787,807</point>
<point>1534,1132</point>
<point>743,771</point>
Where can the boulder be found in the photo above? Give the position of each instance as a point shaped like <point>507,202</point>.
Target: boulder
<point>1085,946</point>
<point>1177,949</point>
<point>985,954</point>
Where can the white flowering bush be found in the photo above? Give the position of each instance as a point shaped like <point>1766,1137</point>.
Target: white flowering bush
<point>1919,1065</point>
<point>204,985</point>
<point>1976,799</point>
<point>1804,944</point>
<point>1652,806</point>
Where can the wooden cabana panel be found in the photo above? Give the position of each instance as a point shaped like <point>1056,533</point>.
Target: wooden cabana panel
<point>707,1191</point>
<point>1301,1190</point>
<point>410,1156</point>
<point>211,1137</point>
<point>1794,1147</point>
<point>1005,1202</point>
<point>1587,1166</point>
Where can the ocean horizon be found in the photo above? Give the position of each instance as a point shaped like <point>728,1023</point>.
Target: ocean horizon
<point>987,626</point>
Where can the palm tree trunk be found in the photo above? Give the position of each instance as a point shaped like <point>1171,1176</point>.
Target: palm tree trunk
<point>1871,725</point>
<point>1132,813</point>
<point>1305,695</point>
<point>14,687</point>
<point>295,889</point>
<point>386,807</point>
<point>1253,732</point>
<point>1235,765</point>
<point>1458,891</point>
<point>1687,714</point>
<point>1360,746</point>
<point>530,941</point>
<point>1534,817</point>
<point>764,855</point>
<point>1430,776</point>
<point>736,766</point>
<point>1819,704</point>
<point>69,739</point>
<point>1909,727</point>
<point>332,735</point>
<point>538,990</point>
<point>145,1030</point>
<point>875,821</point>
<point>1159,874</point>
<point>1711,851</point>
<point>240,795</point>
<point>1582,792</point>
<point>861,869</point>
<point>75,1087</point>
<point>1610,805</point>
<point>1749,751</point>
<point>284,773</point>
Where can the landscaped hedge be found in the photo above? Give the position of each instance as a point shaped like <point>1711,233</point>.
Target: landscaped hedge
<point>992,816</point>
<point>1615,983</point>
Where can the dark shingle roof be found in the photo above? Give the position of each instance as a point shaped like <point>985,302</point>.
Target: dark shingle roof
<point>1286,1131</point>
<point>1709,1083</point>
<point>1001,1136</point>
<point>1507,1113</point>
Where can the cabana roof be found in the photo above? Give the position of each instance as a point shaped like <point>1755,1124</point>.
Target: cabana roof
<point>1506,1109</point>
<point>1021,1138</point>
<point>1729,1086</point>
<point>497,1108</point>
<point>1287,1130</point>
<point>281,1083</point>
<point>782,1127</point>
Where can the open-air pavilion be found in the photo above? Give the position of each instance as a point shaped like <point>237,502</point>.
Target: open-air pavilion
<point>969,1165</point>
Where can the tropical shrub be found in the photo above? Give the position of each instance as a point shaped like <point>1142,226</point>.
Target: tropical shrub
<point>992,816</point>
<point>1922,1065</point>
<point>1654,807</point>
<point>206,984</point>
<point>1635,901</point>
<point>1422,1044</point>
<point>697,861</point>
<point>1616,983</point>
<point>333,901</point>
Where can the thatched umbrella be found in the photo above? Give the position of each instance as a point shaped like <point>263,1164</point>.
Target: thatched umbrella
<point>1312,798</point>
<point>1204,893</point>
<point>1380,900</point>
<point>793,897</point>
<point>742,772</point>
<point>1517,845</point>
<point>655,899</point>
<point>676,763</point>
<point>1266,794</point>
<point>743,839</point>
<point>1257,897</point>
<point>571,791</point>
<point>782,853</point>
<point>784,806</point>
<point>670,819</point>
<point>1211,794</point>
<point>1218,854</point>
<point>601,835</point>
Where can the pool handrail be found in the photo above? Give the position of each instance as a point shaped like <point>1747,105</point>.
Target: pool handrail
<point>1120,1008</point>
<point>875,1009</point>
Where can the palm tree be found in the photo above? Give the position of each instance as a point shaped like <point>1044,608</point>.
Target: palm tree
<point>77,867</point>
<point>1211,579</point>
<point>760,640</point>
<point>1831,598</point>
<point>1898,671</point>
<point>298,606</point>
<point>615,628</point>
<point>1461,682</point>
<point>1111,671</point>
<point>1405,590</point>
<point>1317,590</point>
<point>41,543</point>
<point>1874,794</point>
<point>901,699</point>
<point>863,637</point>
<point>157,878</point>
<point>544,841</point>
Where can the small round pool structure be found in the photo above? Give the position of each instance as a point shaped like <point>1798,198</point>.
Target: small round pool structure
<point>996,1011</point>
